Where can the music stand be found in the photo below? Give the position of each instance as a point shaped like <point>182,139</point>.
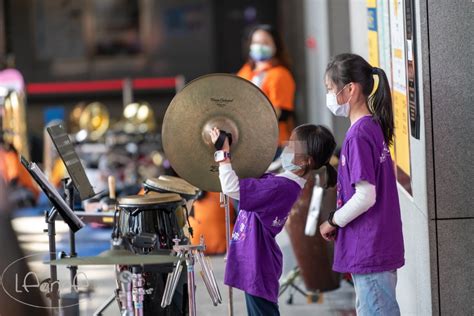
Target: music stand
<point>71,160</point>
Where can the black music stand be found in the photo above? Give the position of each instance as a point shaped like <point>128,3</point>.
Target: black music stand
<point>62,208</point>
<point>78,180</point>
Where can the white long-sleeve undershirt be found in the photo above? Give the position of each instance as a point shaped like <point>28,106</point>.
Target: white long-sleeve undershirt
<point>363,199</point>
<point>230,181</point>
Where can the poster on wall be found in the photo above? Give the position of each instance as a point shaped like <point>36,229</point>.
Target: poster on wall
<point>373,33</point>
<point>385,53</point>
<point>399,93</point>
<point>388,50</point>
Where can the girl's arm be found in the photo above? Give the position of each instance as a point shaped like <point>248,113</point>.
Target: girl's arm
<point>227,176</point>
<point>363,199</point>
<point>229,181</point>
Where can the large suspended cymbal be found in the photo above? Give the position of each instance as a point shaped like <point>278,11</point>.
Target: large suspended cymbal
<point>229,103</point>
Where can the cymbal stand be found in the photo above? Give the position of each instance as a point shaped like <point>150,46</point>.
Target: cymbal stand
<point>225,203</point>
<point>191,254</point>
<point>138,292</point>
<point>123,294</point>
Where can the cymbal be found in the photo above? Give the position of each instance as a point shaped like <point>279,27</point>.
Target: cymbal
<point>116,256</point>
<point>229,103</point>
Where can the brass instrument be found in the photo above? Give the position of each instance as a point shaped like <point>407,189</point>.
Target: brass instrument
<point>139,118</point>
<point>95,120</point>
<point>14,123</point>
<point>90,122</point>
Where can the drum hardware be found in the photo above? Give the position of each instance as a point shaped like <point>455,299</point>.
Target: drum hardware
<point>144,240</point>
<point>190,254</point>
<point>123,295</point>
<point>138,291</point>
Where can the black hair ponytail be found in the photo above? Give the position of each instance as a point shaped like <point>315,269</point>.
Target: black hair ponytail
<point>380,103</point>
<point>331,173</point>
<point>320,146</point>
<point>346,68</point>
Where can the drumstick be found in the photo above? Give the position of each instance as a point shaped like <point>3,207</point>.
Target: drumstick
<point>112,187</point>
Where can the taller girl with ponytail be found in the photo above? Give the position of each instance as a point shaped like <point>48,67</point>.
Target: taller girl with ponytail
<point>366,226</point>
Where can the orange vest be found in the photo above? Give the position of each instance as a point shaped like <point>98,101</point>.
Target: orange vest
<point>209,221</point>
<point>279,86</point>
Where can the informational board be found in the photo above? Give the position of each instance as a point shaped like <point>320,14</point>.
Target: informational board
<point>388,50</point>
<point>373,33</point>
<point>400,93</point>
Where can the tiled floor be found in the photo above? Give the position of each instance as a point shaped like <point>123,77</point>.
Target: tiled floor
<point>91,241</point>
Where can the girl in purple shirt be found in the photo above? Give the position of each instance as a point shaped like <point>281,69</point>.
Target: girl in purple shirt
<point>254,260</point>
<point>367,226</point>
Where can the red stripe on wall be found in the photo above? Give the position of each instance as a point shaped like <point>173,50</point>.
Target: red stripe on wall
<point>98,85</point>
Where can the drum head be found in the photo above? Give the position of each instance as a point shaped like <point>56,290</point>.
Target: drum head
<point>156,184</point>
<point>148,200</point>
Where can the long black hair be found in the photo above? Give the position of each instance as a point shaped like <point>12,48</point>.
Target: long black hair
<point>320,147</point>
<point>281,55</point>
<point>346,68</point>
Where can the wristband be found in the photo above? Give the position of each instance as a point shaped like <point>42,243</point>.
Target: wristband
<point>330,219</point>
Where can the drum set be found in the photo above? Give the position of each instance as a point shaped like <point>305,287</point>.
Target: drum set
<point>150,238</point>
<point>150,246</point>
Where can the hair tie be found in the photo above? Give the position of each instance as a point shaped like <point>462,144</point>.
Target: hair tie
<point>374,71</point>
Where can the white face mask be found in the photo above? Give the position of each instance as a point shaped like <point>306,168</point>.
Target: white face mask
<point>336,108</point>
<point>287,159</point>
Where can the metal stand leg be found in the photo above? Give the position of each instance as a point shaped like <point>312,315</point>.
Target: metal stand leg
<point>191,254</point>
<point>73,297</point>
<point>225,204</point>
<point>191,285</point>
<point>54,284</point>
<point>105,305</point>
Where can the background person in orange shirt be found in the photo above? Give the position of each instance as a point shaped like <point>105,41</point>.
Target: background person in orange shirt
<point>268,68</point>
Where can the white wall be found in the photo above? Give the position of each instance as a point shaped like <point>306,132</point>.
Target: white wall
<point>359,27</point>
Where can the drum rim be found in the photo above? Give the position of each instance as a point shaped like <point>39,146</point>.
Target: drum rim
<point>141,200</point>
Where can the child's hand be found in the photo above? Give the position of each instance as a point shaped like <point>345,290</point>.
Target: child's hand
<point>214,133</point>
<point>327,231</point>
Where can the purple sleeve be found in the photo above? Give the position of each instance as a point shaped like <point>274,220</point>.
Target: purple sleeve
<point>255,194</point>
<point>361,160</point>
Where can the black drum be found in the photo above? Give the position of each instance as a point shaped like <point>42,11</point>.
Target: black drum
<point>147,225</point>
<point>150,223</point>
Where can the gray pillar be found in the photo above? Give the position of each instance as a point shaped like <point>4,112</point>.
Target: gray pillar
<point>449,115</point>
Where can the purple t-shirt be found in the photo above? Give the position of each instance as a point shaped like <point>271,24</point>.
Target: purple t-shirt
<point>254,260</point>
<point>373,242</point>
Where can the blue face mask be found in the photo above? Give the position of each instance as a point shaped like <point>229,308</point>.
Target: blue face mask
<point>260,52</point>
<point>287,158</point>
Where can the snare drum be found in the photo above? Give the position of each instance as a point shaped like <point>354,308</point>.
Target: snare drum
<point>149,222</point>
